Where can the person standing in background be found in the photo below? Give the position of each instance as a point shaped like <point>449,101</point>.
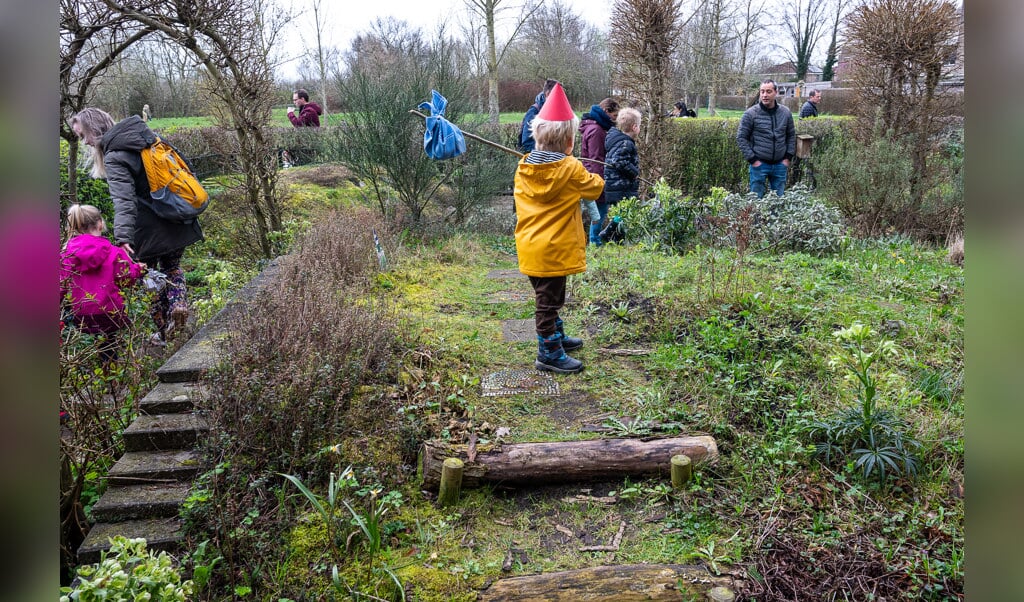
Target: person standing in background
<point>767,138</point>
<point>810,108</point>
<point>309,112</point>
<point>594,128</point>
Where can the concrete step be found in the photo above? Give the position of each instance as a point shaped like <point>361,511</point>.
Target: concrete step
<point>171,398</point>
<point>152,467</point>
<point>164,432</point>
<point>140,501</point>
<point>160,534</point>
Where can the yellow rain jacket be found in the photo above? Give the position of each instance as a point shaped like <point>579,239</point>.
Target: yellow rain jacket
<point>550,239</point>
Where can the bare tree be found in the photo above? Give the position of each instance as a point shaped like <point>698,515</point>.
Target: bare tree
<point>322,54</point>
<point>232,39</point>
<point>900,50</point>
<point>709,49</point>
<point>490,11</point>
<point>644,36</point>
<point>747,28</point>
<point>831,56</point>
<point>557,43</point>
<point>802,24</point>
<point>92,37</point>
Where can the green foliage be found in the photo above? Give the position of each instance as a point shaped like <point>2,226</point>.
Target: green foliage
<point>669,221</point>
<point>129,572</point>
<point>796,221</point>
<point>873,438</point>
<point>91,191</point>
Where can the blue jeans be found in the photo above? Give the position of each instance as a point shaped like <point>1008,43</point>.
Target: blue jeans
<point>775,174</point>
<point>595,228</point>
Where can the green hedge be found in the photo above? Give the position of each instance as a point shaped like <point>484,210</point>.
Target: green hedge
<point>704,152</point>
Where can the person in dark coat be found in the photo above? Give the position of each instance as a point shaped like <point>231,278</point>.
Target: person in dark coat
<point>810,108</point>
<point>526,142</point>
<point>767,138</point>
<point>150,239</point>
<point>622,172</point>
<point>309,112</point>
<point>594,126</point>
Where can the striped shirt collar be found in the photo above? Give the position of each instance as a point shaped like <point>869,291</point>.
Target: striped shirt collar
<point>538,156</point>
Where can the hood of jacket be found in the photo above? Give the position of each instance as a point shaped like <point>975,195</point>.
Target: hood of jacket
<point>129,134</point>
<point>86,253</point>
<point>313,106</point>
<point>599,116</point>
<point>615,137</point>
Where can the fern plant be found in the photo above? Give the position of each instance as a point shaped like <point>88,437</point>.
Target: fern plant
<point>874,439</point>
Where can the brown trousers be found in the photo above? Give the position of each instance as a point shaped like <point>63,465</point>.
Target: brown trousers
<point>550,294</point>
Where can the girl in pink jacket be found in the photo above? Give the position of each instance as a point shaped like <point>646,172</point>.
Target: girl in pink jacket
<point>92,272</point>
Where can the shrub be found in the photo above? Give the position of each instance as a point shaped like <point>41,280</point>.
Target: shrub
<point>129,572</point>
<point>872,437</point>
<point>795,221</point>
<point>669,221</point>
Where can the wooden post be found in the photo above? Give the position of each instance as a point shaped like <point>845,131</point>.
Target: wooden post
<point>682,470</point>
<point>451,482</point>
<point>721,594</point>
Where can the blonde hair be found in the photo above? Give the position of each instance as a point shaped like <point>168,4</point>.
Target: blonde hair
<point>554,135</point>
<point>82,219</point>
<point>627,118</point>
<point>94,123</point>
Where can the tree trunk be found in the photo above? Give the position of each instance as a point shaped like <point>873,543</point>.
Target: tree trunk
<point>625,583</point>
<point>563,461</point>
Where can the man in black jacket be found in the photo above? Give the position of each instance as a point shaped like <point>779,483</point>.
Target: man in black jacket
<point>810,108</point>
<point>767,139</point>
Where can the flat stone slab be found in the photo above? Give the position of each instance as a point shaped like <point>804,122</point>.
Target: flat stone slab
<point>140,501</point>
<point>171,398</point>
<point>164,432</point>
<point>510,297</point>
<point>154,467</point>
<point>506,275</point>
<point>159,533</point>
<point>514,382</point>
<point>202,351</point>
<point>519,331</point>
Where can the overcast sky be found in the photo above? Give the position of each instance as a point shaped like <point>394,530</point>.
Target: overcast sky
<point>350,17</point>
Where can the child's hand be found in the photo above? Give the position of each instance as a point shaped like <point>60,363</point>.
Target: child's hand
<point>143,266</point>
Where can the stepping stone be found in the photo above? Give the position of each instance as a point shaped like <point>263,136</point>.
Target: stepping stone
<point>509,297</point>
<point>513,274</point>
<point>518,331</point>
<point>514,382</point>
<point>136,468</point>
<point>140,501</point>
<point>170,398</point>
<point>160,534</point>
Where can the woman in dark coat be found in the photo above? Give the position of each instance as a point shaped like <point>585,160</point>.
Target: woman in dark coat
<point>157,242</point>
<point>594,126</point>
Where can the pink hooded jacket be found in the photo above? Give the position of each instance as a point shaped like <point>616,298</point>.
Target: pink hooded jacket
<point>93,270</point>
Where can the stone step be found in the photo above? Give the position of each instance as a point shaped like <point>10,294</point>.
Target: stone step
<point>152,467</point>
<point>171,398</point>
<point>164,432</point>
<point>159,533</point>
<point>140,501</point>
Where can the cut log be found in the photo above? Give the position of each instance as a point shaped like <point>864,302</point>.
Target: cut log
<point>451,482</point>
<point>514,464</point>
<point>624,583</point>
<point>682,470</point>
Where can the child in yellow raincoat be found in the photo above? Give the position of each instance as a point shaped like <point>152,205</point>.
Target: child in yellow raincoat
<point>550,239</point>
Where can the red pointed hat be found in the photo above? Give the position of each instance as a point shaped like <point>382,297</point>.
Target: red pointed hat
<point>556,106</point>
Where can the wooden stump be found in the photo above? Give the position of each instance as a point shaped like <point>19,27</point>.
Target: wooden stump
<point>624,583</point>
<point>563,461</point>
<point>682,470</point>
<point>451,482</point>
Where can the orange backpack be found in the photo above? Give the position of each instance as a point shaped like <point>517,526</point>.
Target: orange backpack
<point>176,194</point>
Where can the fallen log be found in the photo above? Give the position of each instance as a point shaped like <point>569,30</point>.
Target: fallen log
<point>514,464</point>
<point>624,583</point>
